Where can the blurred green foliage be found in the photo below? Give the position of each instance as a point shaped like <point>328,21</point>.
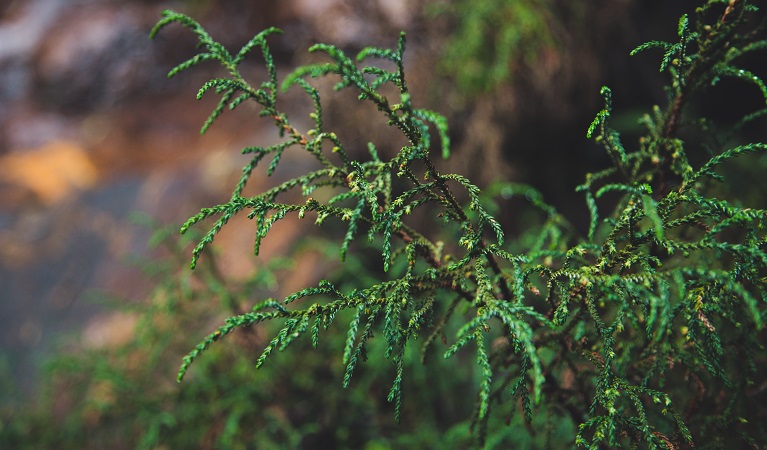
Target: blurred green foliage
<point>125,396</point>
<point>491,38</point>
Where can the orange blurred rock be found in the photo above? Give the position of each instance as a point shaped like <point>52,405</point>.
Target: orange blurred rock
<point>51,172</point>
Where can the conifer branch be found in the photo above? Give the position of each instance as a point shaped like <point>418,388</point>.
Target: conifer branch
<point>651,286</point>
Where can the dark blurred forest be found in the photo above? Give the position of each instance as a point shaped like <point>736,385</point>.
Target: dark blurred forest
<point>92,132</point>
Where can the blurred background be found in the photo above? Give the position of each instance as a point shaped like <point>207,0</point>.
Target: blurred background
<point>92,132</point>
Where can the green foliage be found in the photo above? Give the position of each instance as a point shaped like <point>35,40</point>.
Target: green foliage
<point>646,332</point>
<point>110,397</point>
<point>491,37</point>
<point>123,396</point>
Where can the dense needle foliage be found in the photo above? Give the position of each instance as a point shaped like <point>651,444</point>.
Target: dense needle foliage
<point>648,331</point>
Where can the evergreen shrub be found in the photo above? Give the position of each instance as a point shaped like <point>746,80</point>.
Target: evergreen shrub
<point>643,330</point>
<point>646,330</point>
